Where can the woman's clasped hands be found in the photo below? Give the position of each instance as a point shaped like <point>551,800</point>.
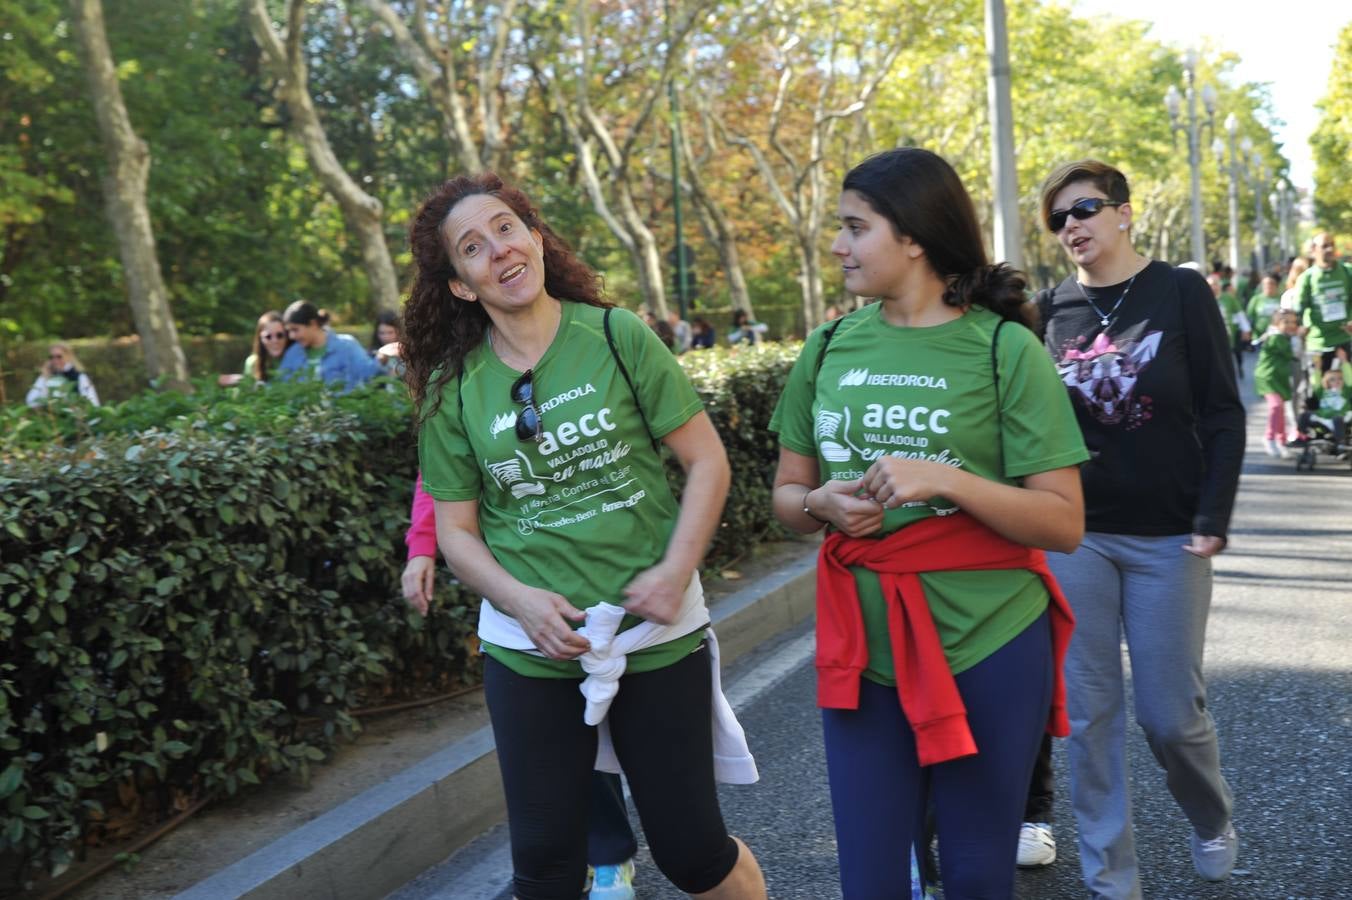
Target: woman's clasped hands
<point>857,507</point>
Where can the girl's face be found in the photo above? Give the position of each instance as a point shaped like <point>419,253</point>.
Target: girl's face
<point>57,360</point>
<point>309,335</point>
<point>1289,325</point>
<point>1097,238</point>
<point>273,338</point>
<point>875,261</point>
<point>1334,382</point>
<point>386,334</point>
<point>500,262</point>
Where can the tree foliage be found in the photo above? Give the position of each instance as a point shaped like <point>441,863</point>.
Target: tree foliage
<point>568,99</point>
<point>1332,143</point>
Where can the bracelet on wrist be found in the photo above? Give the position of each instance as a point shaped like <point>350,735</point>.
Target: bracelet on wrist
<point>809,512</point>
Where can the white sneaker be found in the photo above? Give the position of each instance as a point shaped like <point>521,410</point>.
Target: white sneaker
<point>1270,446</point>
<point>1214,859</point>
<point>1037,845</point>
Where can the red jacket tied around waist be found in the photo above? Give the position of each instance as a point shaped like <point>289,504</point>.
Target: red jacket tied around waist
<point>929,695</point>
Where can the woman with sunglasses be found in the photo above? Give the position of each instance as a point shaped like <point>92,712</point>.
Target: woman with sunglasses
<point>270,341</point>
<point>1143,351</point>
<point>539,411</point>
<point>929,434</point>
<point>61,378</point>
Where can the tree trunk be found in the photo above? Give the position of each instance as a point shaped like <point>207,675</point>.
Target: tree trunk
<point>124,195</point>
<point>717,225</point>
<point>362,213</point>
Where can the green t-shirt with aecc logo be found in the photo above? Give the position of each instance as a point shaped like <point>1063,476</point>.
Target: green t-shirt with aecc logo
<point>587,508</point>
<point>929,393</point>
<point>1325,295</point>
<point>1261,310</point>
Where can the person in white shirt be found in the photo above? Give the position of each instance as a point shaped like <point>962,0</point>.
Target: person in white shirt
<point>61,378</point>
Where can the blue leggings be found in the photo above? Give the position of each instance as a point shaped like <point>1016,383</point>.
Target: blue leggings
<point>879,790</point>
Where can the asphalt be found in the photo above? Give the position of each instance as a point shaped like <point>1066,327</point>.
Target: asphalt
<point>1279,665</point>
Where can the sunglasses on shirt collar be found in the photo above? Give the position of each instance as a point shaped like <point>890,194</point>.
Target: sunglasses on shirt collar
<point>528,424</point>
<point>1083,209</point>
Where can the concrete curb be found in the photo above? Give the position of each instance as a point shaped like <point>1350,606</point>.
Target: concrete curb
<point>378,840</point>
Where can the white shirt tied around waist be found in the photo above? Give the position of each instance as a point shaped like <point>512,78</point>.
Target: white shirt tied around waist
<point>606,661</point>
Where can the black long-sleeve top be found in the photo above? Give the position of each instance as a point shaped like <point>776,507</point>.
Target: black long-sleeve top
<point>1155,396</point>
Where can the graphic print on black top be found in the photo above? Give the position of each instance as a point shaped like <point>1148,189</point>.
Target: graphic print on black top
<point>1103,376</point>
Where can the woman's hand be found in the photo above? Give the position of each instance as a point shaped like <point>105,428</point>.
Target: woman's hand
<point>838,503</point>
<point>892,482</point>
<point>1205,545</point>
<point>418,582</point>
<point>544,616</point>
<point>655,594</point>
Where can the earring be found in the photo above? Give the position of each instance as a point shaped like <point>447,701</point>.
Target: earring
<point>472,297</point>
<point>1122,226</point>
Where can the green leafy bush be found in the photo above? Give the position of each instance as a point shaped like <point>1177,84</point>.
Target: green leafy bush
<point>196,592</point>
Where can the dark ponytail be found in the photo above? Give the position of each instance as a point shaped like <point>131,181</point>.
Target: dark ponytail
<point>1001,288</point>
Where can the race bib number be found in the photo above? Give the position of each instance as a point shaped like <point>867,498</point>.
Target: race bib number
<point>1333,307</point>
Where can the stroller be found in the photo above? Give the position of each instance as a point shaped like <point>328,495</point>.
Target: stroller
<point>1325,438</point>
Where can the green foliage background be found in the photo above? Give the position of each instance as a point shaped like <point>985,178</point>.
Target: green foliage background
<point>196,591</point>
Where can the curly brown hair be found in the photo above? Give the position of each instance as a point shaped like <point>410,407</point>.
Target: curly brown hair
<point>440,329</point>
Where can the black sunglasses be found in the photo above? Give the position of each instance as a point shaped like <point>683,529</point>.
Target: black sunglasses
<point>528,424</point>
<point>1080,209</point>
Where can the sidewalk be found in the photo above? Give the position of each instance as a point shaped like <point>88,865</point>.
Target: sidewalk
<point>410,792</point>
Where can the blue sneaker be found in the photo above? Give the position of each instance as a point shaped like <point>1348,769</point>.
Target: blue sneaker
<point>613,882</point>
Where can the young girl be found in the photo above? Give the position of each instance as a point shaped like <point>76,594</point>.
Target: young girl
<point>929,432</point>
<point>1272,377</point>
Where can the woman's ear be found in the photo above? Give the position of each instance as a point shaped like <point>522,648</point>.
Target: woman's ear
<point>911,247</point>
<point>461,290</point>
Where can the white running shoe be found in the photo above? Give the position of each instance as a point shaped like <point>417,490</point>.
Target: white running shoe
<point>1037,845</point>
<point>1270,446</point>
<point>1215,858</point>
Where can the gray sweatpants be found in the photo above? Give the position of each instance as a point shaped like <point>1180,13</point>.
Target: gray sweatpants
<point>1158,595</point>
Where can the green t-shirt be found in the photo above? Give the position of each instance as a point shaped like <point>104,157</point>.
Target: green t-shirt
<point>929,393</point>
<point>1272,372</point>
<point>1324,298</point>
<point>1261,309</point>
<point>586,509</point>
<point>1230,307</point>
<point>1332,404</point>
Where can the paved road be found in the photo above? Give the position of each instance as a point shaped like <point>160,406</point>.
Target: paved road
<point>1279,661</point>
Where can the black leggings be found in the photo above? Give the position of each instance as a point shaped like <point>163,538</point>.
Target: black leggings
<point>660,725</point>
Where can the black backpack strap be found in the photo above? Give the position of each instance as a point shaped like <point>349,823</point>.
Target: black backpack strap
<point>614,352</point>
<point>1044,310</point>
<point>995,371</point>
<point>826,342</point>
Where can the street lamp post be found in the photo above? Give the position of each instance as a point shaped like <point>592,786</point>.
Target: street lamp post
<point>1280,198</point>
<point>1193,128</point>
<point>1262,176</point>
<point>1232,170</point>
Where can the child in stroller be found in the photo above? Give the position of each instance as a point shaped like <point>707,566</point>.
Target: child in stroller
<point>1323,424</point>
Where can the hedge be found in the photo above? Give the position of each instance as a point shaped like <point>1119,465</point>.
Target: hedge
<point>194,600</point>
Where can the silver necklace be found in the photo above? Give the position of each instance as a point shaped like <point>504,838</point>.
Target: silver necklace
<point>1105,317</point>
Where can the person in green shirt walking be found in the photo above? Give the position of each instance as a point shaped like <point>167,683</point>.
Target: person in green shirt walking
<point>1263,305</point>
<point>539,410</point>
<point>1236,322</point>
<point>1272,377</point>
<point>1324,293</point>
